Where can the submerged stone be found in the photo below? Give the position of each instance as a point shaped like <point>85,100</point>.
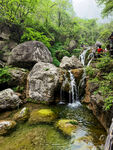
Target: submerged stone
<point>67,126</point>
<point>6,126</point>
<point>42,115</point>
<point>22,115</point>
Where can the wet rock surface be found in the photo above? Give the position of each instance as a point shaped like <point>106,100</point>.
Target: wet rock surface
<point>6,126</point>
<point>67,126</point>
<point>22,115</point>
<point>42,115</point>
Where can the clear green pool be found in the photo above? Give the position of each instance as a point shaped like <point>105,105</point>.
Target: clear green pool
<point>47,137</point>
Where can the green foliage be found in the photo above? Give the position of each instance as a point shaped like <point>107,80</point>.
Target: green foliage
<point>18,89</point>
<point>108,102</point>
<point>76,52</point>
<point>46,69</point>
<point>31,34</point>
<point>108,6</point>
<point>61,53</point>
<point>56,62</point>
<point>91,72</point>
<point>5,75</point>
<point>105,63</point>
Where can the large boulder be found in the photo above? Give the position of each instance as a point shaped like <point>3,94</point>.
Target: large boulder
<point>42,82</point>
<point>70,63</point>
<point>9,99</point>
<point>25,55</point>
<point>6,126</point>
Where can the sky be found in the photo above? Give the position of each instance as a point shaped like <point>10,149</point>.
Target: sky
<point>88,9</point>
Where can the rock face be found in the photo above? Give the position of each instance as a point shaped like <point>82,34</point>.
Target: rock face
<point>70,63</point>
<point>67,126</point>
<point>9,99</point>
<point>95,102</point>
<point>77,73</point>
<point>22,115</point>
<point>18,76</point>
<point>25,55</point>
<point>42,82</point>
<point>42,115</point>
<point>6,126</point>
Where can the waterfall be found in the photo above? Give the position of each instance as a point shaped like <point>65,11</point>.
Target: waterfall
<point>82,57</point>
<point>73,92</point>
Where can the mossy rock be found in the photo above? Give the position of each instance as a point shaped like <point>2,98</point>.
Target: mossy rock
<point>22,115</point>
<point>6,126</point>
<point>67,126</point>
<point>42,115</point>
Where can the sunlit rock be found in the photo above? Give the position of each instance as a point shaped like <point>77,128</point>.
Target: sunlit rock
<point>70,63</point>
<point>43,80</point>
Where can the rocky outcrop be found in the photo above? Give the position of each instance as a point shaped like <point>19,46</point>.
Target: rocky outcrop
<point>70,63</point>
<point>77,73</point>
<point>9,99</point>
<point>6,126</point>
<point>95,102</point>
<point>42,115</point>
<point>22,115</point>
<point>25,55</point>
<point>42,82</point>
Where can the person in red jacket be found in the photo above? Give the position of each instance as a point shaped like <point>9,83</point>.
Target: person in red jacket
<point>100,51</point>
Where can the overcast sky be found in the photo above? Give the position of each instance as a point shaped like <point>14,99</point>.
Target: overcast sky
<point>88,9</point>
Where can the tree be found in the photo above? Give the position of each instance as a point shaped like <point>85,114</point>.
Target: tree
<point>108,6</point>
<point>16,11</point>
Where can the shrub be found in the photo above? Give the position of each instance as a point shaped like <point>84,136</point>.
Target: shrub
<point>5,75</point>
<point>105,63</point>
<point>61,53</point>
<point>31,34</point>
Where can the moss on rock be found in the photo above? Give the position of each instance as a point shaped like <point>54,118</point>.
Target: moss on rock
<point>67,126</point>
<point>42,115</point>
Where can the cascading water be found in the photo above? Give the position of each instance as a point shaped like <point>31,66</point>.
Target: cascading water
<point>73,93</point>
<point>82,57</point>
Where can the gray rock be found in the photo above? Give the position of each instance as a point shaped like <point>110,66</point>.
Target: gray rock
<point>72,44</point>
<point>9,99</point>
<point>25,55</point>
<point>18,77</point>
<point>4,32</point>
<point>70,63</point>
<point>43,80</point>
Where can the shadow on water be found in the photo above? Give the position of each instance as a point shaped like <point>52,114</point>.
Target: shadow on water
<point>47,137</point>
